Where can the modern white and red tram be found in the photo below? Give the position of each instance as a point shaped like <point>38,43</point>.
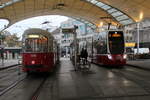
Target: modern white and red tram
<point>40,51</point>
<point>109,48</point>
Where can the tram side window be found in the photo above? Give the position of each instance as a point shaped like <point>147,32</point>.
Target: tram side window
<point>102,48</point>
<point>28,47</point>
<point>44,44</point>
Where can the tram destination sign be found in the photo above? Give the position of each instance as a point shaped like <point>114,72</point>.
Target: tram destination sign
<point>68,30</point>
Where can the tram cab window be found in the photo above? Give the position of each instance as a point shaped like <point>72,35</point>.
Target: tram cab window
<point>116,42</point>
<point>36,44</point>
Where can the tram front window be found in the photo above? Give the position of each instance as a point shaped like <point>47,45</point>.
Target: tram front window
<point>36,45</point>
<point>116,42</point>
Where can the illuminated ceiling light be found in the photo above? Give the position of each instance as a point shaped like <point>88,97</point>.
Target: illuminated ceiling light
<point>100,24</point>
<point>141,16</point>
<point>136,20</point>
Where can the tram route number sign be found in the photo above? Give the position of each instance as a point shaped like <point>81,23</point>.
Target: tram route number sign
<point>68,30</point>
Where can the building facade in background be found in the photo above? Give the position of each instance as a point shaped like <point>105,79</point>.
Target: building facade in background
<point>10,46</point>
<point>144,34</point>
<point>84,34</point>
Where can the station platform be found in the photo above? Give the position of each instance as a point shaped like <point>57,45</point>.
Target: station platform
<point>8,63</point>
<point>140,63</point>
<point>97,84</point>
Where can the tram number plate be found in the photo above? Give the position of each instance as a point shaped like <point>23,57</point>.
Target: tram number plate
<point>33,55</point>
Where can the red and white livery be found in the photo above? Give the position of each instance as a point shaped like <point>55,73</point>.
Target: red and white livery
<point>109,48</point>
<point>40,51</point>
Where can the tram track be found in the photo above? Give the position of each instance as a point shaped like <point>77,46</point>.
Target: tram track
<point>135,77</point>
<point>35,90</point>
<point>137,81</point>
<point>8,67</point>
<point>138,71</point>
<point>138,67</point>
<point>38,90</point>
<point>5,90</point>
<point>14,75</point>
<point>107,97</point>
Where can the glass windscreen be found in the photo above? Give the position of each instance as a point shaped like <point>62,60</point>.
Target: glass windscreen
<point>116,42</point>
<point>35,44</point>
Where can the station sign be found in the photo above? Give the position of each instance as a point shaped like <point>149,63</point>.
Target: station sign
<point>132,44</point>
<point>68,30</point>
<point>33,36</point>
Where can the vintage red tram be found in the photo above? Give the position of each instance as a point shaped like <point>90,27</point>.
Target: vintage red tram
<point>109,48</point>
<point>40,51</point>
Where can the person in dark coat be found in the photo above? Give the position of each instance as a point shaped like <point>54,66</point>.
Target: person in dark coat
<point>84,54</point>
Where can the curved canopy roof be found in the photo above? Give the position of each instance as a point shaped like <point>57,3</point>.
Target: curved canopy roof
<point>119,12</point>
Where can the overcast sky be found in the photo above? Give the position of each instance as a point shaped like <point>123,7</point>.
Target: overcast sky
<point>35,22</point>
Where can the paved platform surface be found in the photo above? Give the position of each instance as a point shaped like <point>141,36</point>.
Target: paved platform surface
<point>8,63</point>
<point>97,84</point>
<point>100,83</point>
<point>140,63</point>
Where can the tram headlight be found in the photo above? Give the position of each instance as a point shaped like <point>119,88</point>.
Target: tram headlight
<point>33,62</point>
<point>109,57</point>
<point>124,56</point>
<point>19,61</point>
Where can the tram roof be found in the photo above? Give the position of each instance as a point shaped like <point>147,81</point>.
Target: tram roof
<point>91,12</point>
<point>37,31</point>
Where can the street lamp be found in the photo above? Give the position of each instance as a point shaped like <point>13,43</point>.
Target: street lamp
<point>138,40</point>
<point>138,31</point>
<point>100,25</point>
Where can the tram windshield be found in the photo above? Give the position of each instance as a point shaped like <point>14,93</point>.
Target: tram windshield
<point>116,42</point>
<point>36,44</point>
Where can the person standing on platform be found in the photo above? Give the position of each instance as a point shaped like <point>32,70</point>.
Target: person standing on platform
<point>84,54</point>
